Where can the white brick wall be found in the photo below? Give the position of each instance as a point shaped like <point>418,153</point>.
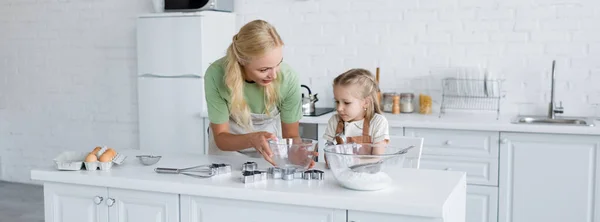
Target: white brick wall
<point>67,66</point>
<point>417,42</point>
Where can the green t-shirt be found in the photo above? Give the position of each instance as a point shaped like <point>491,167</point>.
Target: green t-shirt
<point>218,96</point>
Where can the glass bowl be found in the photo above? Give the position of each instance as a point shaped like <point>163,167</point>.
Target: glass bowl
<point>294,153</point>
<point>354,167</point>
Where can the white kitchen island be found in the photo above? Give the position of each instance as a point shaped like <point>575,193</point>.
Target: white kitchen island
<point>133,192</point>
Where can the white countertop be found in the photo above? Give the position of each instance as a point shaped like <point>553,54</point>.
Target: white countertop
<point>469,121</point>
<point>415,192</point>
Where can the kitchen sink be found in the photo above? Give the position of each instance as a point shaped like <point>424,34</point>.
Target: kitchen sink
<point>569,121</point>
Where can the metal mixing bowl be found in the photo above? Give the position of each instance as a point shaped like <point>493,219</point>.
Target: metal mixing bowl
<point>148,159</point>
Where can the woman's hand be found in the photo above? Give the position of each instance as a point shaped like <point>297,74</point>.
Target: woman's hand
<point>258,140</point>
<point>301,153</point>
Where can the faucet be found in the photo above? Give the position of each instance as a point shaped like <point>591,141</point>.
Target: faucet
<point>553,109</point>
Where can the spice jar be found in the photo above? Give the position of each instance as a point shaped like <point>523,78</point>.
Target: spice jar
<point>388,102</point>
<point>406,102</point>
<point>396,104</point>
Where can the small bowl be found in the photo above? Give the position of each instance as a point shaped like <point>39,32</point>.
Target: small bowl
<point>294,153</point>
<point>148,159</point>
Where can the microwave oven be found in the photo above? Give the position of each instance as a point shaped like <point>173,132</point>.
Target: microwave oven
<point>198,5</point>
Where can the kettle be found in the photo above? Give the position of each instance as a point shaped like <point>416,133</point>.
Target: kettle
<point>308,103</point>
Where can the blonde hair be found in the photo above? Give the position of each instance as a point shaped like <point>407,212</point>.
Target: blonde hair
<point>366,88</point>
<point>252,41</point>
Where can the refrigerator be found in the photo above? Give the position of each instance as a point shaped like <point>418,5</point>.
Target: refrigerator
<point>173,52</point>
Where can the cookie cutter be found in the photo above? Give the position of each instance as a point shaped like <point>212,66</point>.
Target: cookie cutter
<point>313,175</point>
<point>292,173</point>
<point>251,173</point>
<point>253,176</point>
<point>222,168</point>
<point>249,166</point>
<point>274,173</point>
<point>288,173</point>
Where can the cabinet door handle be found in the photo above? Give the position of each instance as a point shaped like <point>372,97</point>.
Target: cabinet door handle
<point>448,142</point>
<point>448,169</point>
<point>98,200</point>
<point>110,202</point>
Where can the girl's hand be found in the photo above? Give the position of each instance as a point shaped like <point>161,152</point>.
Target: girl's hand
<point>258,140</point>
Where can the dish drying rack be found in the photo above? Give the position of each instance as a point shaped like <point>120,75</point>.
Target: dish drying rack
<point>471,94</point>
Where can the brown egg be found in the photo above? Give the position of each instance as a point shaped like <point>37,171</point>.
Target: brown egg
<point>95,151</point>
<point>106,157</point>
<point>91,157</point>
<point>111,151</point>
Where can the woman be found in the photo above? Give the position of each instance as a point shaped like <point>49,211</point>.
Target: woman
<point>251,94</point>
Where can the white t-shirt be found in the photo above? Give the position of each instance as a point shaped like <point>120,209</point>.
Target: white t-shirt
<point>378,128</point>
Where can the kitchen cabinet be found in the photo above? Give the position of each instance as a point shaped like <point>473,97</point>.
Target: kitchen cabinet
<point>132,206</point>
<point>473,152</point>
<point>71,203</point>
<point>205,209</point>
<point>77,203</point>
<point>196,209</point>
<point>479,171</point>
<point>482,204</point>
<point>549,177</point>
<point>461,143</point>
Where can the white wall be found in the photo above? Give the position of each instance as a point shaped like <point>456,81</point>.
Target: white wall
<point>67,66</point>
<point>416,42</point>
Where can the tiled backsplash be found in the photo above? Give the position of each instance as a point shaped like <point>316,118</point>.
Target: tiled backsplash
<point>70,65</point>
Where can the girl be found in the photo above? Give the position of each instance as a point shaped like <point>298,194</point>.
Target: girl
<point>358,115</point>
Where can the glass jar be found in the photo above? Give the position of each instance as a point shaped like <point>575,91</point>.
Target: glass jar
<point>406,102</point>
<point>388,102</point>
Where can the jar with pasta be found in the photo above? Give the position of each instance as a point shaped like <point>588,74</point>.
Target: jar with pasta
<point>425,104</point>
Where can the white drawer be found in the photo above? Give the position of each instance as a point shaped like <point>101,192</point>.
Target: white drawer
<point>396,131</point>
<point>457,142</point>
<point>479,171</point>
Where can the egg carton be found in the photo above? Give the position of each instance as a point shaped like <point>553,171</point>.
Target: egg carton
<point>74,161</point>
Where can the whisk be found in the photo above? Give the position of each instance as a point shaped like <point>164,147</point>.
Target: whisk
<point>202,171</point>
